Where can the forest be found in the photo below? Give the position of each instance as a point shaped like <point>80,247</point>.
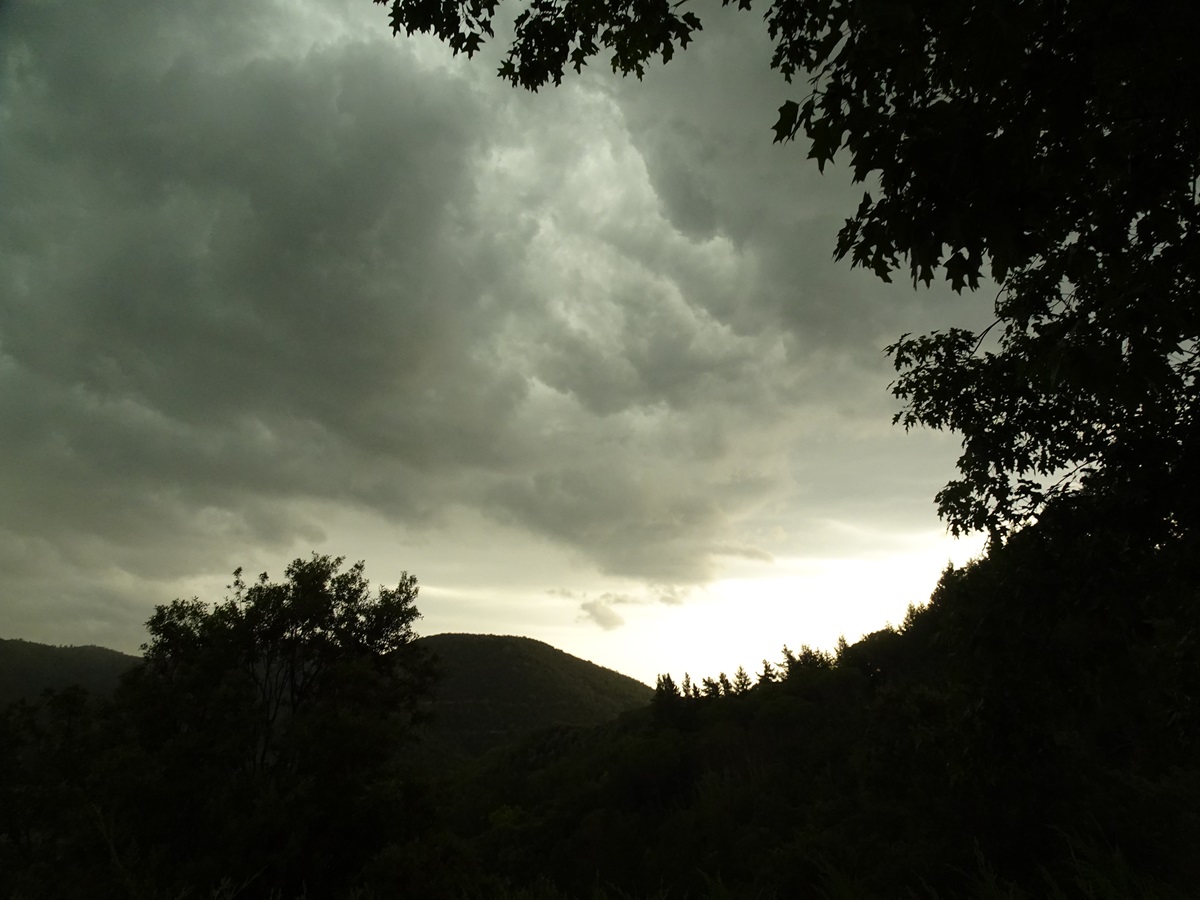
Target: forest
<point>1032,731</point>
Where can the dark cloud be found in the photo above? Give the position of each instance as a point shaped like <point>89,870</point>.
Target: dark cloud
<point>703,126</point>
<point>601,612</point>
<point>259,261</point>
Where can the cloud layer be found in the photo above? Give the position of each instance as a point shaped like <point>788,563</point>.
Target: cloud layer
<point>257,260</point>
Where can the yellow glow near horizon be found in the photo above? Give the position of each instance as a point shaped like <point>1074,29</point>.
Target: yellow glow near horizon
<point>742,620</point>
<point>527,585</point>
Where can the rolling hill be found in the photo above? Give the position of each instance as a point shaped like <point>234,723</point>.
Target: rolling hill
<point>28,668</point>
<point>491,688</point>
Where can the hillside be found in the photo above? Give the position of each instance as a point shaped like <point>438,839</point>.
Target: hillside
<point>494,687</point>
<point>490,688</point>
<point>28,668</point>
<point>1029,734</point>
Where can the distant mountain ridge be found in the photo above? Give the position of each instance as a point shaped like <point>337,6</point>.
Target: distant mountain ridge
<point>491,688</point>
<point>28,668</point>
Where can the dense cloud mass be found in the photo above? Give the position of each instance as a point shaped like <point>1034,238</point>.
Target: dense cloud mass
<point>259,261</point>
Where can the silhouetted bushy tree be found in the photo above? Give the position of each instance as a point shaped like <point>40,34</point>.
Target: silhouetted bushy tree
<point>269,729</point>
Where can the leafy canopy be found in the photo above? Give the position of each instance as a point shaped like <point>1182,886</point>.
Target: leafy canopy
<point>1053,145</point>
<point>276,660</point>
<point>272,722</point>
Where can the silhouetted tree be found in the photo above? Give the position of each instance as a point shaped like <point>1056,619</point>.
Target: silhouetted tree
<point>667,699</point>
<point>665,688</point>
<point>809,658</point>
<point>789,660</point>
<point>768,674</point>
<point>689,690</point>
<point>741,681</point>
<point>272,723</point>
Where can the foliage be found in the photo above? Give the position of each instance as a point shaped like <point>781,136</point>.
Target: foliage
<point>492,688</point>
<point>255,669</point>
<point>257,749</point>
<point>275,718</point>
<point>28,668</point>
<point>1030,733</point>
<point>47,749</point>
<point>1047,143</point>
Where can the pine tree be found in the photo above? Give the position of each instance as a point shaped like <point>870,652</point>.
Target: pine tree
<point>741,681</point>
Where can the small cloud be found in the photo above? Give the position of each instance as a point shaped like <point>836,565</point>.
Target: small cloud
<point>745,551</point>
<point>619,599</point>
<point>602,609</point>
<point>672,595</point>
<point>601,612</point>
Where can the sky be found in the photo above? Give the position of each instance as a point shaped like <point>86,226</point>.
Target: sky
<point>274,282</point>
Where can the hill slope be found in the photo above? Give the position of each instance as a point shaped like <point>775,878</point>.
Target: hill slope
<point>27,669</point>
<point>494,687</point>
<point>490,688</point>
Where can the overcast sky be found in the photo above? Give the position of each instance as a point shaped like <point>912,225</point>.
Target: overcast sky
<point>272,281</point>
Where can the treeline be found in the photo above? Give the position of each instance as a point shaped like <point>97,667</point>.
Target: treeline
<point>666,691</point>
<point>1032,732</point>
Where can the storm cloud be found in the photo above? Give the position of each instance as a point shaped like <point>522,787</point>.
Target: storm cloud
<point>259,261</point>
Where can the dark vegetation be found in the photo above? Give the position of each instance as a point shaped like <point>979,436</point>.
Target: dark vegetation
<point>27,669</point>
<point>493,688</point>
<point>1033,732</point>
<point>488,689</point>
